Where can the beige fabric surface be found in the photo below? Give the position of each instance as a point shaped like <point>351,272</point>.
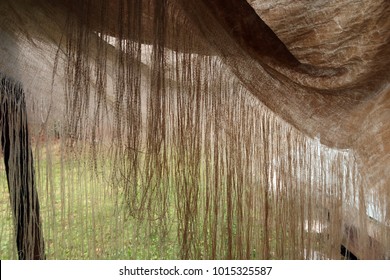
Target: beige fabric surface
<point>224,129</point>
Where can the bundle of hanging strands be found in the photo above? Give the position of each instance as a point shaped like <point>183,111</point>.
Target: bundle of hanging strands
<point>153,133</point>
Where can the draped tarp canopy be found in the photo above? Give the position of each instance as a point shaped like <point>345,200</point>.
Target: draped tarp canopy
<point>196,129</point>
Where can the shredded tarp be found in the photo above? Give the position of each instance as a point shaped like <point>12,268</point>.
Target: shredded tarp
<point>169,129</point>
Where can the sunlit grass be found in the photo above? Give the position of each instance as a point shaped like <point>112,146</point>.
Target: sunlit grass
<point>83,216</point>
<point>7,244</point>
